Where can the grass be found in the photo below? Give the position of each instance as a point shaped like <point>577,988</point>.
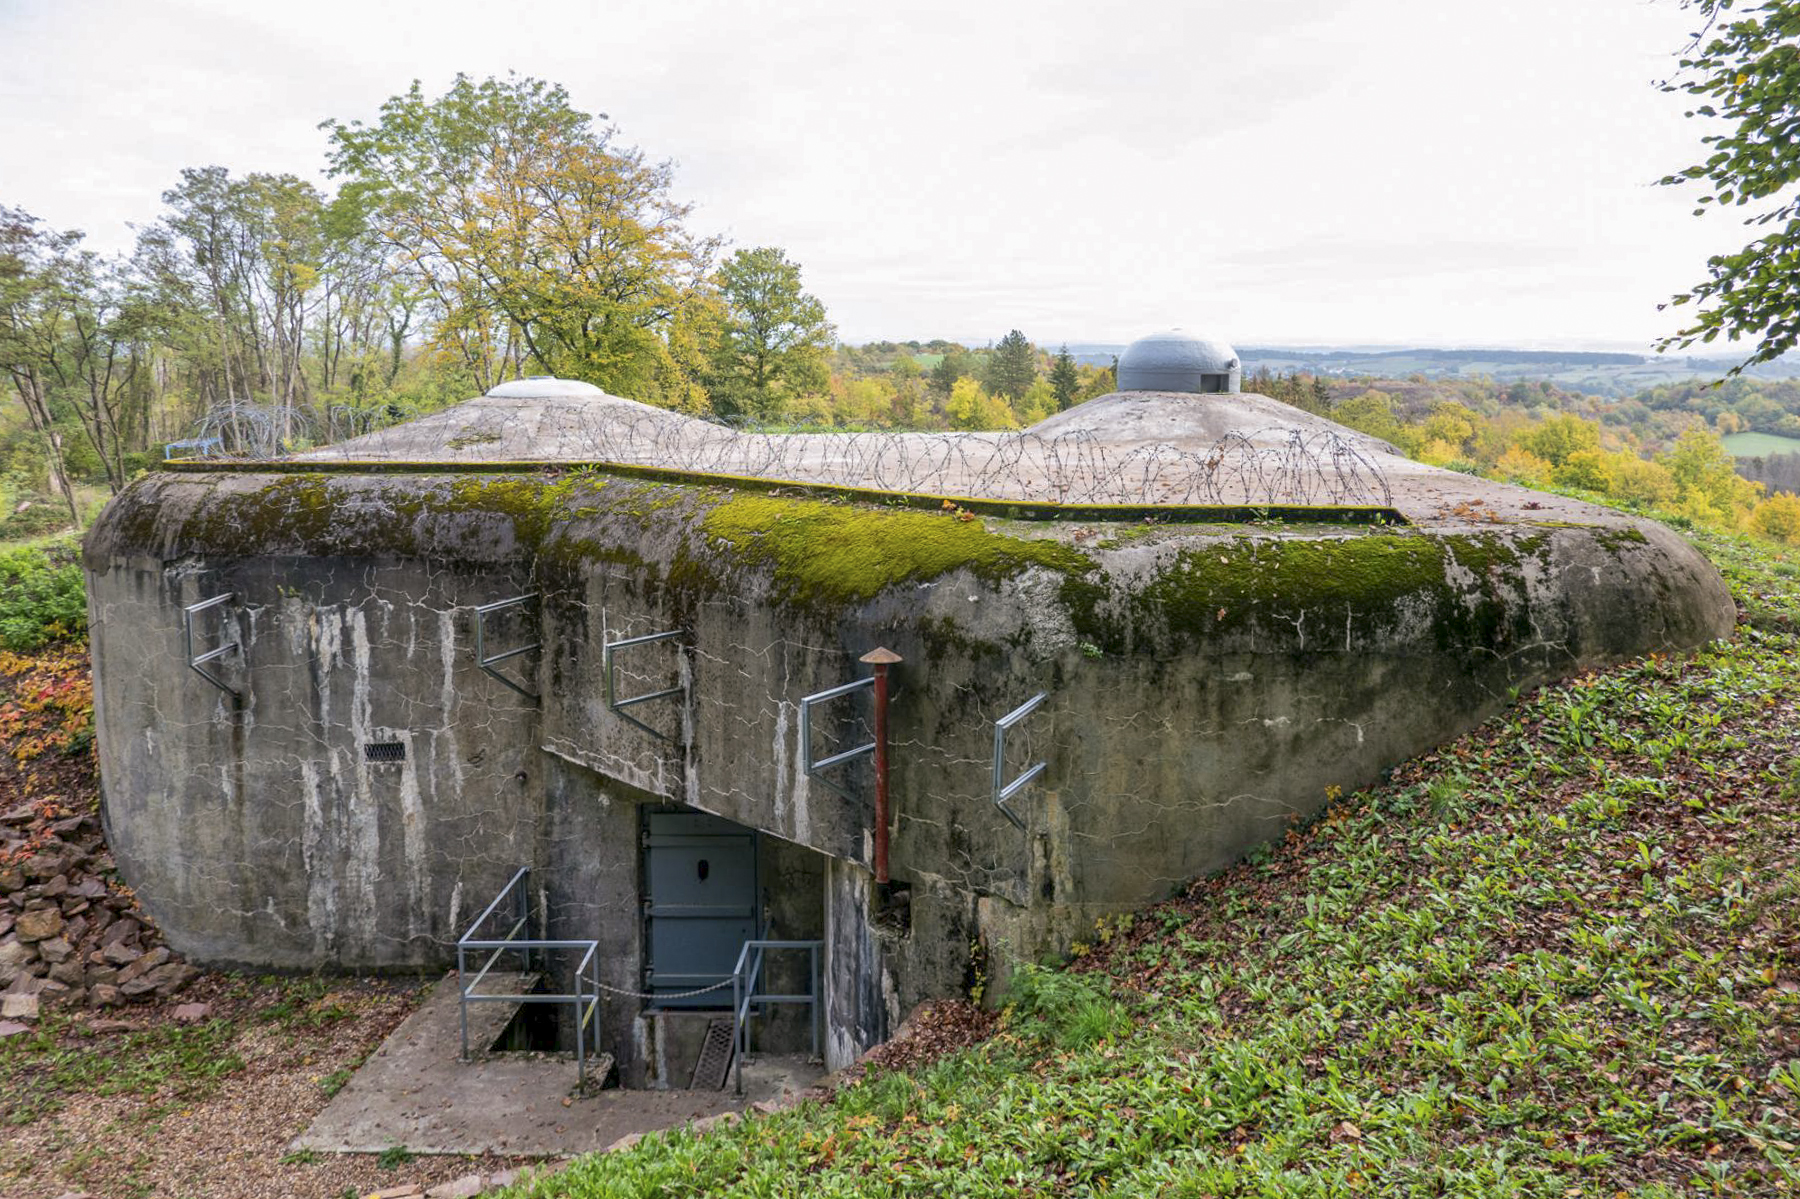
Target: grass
<point>393,1157</point>
<point>42,1069</point>
<point>1759,445</point>
<point>334,1082</point>
<point>60,1061</point>
<point>1559,956</point>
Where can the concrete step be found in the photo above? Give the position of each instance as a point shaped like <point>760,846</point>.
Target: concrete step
<point>488,1018</point>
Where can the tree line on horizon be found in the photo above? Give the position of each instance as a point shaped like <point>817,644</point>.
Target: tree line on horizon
<point>496,231</point>
<point>1669,461</point>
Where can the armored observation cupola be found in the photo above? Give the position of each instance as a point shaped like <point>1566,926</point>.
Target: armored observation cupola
<point>535,387</point>
<point>1178,361</point>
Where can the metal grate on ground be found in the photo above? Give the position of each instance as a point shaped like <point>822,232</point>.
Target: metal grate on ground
<point>714,1065</point>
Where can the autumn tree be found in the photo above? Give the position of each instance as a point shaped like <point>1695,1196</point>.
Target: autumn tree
<point>1743,69</point>
<point>775,339</point>
<point>276,301</point>
<point>1778,517</point>
<point>972,407</point>
<point>32,328</point>
<point>956,363</point>
<point>1560,436</point>
<point>1706,477</point>
<point>1011,367</point>
<point>541,241</point>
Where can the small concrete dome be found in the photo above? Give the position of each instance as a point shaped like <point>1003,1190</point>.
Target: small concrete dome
<point>536,387</point>
<point>1177,361</point>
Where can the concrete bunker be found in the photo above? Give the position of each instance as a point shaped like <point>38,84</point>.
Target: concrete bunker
<point>345,697</point>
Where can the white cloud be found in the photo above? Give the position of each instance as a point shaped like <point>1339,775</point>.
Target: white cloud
<point>1395,170</point>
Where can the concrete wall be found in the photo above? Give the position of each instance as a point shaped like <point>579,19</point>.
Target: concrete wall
<point>1206,687</point>
<point>258,832</point>
<point>588,871</point>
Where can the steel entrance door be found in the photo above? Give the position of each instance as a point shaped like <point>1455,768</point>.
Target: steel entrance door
<point>700,904</point>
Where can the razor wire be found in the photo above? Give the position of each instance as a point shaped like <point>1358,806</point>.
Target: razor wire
<point>247,429</point>
<point>1270,466</point>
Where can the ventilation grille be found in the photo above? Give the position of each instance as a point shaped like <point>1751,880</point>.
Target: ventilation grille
<point>384,751</point>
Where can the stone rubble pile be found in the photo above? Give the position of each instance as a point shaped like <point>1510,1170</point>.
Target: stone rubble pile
<point>67,937</point>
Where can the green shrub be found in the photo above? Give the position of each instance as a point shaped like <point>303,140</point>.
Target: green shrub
<point>37,520</point>
<point>42,595</point>
<point>1070,1009</point>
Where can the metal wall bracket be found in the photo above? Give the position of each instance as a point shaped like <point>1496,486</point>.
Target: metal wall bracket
<point>1004,790</point>
<point>488,661</point>
<point>610,666</point>
<point>813,768</point>
<point>197,662</point>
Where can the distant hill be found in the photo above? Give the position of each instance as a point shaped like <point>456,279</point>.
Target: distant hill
<point>1603,374</point>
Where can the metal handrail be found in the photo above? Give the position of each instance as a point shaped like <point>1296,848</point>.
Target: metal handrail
<point>1003,790</point>
<point>744,995</point>
<point>812,768</point>
<point>206,446</point>
<point>609,668</point>
<point>583,1001</point>
<point>487,661</point>
<point>196,661</point>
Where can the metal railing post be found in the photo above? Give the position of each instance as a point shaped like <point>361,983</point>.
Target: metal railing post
<point>462,1001</point>
<point>817,996</point>
<point>737,1017</point>
<point>580,1036</point>
<point>523,920</point>
<point>597,1005</point>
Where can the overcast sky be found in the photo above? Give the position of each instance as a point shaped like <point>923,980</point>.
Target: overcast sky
<point>1429,172</point>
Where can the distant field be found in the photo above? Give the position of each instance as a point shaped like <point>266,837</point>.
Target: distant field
<point>1759,445</point>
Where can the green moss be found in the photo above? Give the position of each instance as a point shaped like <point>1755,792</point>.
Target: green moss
<point>318,514</point>
<point>943,637</point>
<point>1285,587</point>
<point>294,509</point>
<point>569,555</point>
<point>834,554</point>
<point>531,502</point>
<point>1620,537</point>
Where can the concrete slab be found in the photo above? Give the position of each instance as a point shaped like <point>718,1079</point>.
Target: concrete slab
<point>414,1091</point>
